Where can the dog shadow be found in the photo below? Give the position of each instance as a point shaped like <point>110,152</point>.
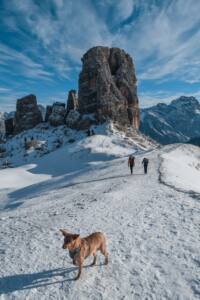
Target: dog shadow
<point>9,284</point>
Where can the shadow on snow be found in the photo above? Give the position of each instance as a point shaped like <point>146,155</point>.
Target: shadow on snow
<point>20,282</point>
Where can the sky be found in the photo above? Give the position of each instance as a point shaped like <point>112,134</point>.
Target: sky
<point>42,42</point>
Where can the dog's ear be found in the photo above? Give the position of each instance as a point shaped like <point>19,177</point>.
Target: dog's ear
<point>75,236</point>
<point>64,232</point>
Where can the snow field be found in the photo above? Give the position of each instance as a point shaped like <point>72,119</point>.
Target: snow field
<point>152,228</point>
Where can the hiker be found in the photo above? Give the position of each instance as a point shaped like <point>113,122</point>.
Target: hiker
<point>92,132</point>
<point>88,132</point>
<point>131,162</point>
<point>145,164</point>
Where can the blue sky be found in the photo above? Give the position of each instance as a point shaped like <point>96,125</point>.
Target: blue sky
<point>42,42</point>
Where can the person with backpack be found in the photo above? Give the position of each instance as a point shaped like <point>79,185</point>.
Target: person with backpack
<point>131,163</point>
<point>145,163</point>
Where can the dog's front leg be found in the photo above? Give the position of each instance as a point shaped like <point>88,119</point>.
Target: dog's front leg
<point>79,271</point>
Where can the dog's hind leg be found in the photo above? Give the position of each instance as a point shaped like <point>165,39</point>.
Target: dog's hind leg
<point>104,252</point>
<point>94,260</point>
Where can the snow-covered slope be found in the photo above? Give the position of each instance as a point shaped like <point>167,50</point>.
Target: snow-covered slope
<point>181,167</point>
<point>152,229</point>
<point>46,139</point>
<point>177,122</point>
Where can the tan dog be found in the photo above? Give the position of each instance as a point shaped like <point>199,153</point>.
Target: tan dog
<point>80,249</point>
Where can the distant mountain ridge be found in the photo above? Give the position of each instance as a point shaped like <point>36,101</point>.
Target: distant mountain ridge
<point>176,122</point>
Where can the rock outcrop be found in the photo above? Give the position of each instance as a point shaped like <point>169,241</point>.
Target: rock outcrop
<point>27,114</point>
<point>57,117</point>
<point>72,119</point>
<point>72,101</point>
<point>177,122</point>
<point>42,110</point>
<point>9,125</point>
<point>107,86</point>
<point>48,112</point>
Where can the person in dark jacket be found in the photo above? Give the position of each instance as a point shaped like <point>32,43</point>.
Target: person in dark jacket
<point>88,132</point>
<point>145,163</point>
<point>131,163</point>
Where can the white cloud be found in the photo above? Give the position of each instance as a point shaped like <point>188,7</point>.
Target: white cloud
<point>4,90</point>
<point>159,39</point>
<point>163,39</point>
<point>22,64</point>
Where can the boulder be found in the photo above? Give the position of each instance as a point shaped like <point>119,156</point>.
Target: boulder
<point>27,114</point>
<point>72,101</point>
<point>58,114</point>
<point>107,86</point>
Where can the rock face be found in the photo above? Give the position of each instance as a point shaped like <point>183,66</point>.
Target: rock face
<point>177,122</point>
<point>107,86</point>
<point>72,119</point>
<point>27,114</point>
<point>9,124</point>
<point>48,112</point>
<point>57,117</point>
<point>42,110</point>
<point>72,101</point>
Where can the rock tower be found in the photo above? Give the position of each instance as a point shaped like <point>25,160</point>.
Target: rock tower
<point>27,114</point>
<point>107,86</point>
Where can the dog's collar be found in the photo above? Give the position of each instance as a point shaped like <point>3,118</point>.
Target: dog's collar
<point>73,252</point>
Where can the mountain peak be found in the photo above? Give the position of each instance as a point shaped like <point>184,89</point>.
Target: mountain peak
<point>178,121</point>
<point>183,100</point>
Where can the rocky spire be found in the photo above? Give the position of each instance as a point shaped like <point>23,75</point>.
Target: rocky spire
<point>27,114</point>
<point>107,86</point>
<point>72,102</point>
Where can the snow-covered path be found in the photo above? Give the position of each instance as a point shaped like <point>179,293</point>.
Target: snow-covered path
<point>153,238</point>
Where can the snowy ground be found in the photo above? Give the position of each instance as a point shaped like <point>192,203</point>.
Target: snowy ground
<point>181,167</point>
<point>152,228</point>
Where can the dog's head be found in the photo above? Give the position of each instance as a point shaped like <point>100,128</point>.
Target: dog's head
<point>71,241</point>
